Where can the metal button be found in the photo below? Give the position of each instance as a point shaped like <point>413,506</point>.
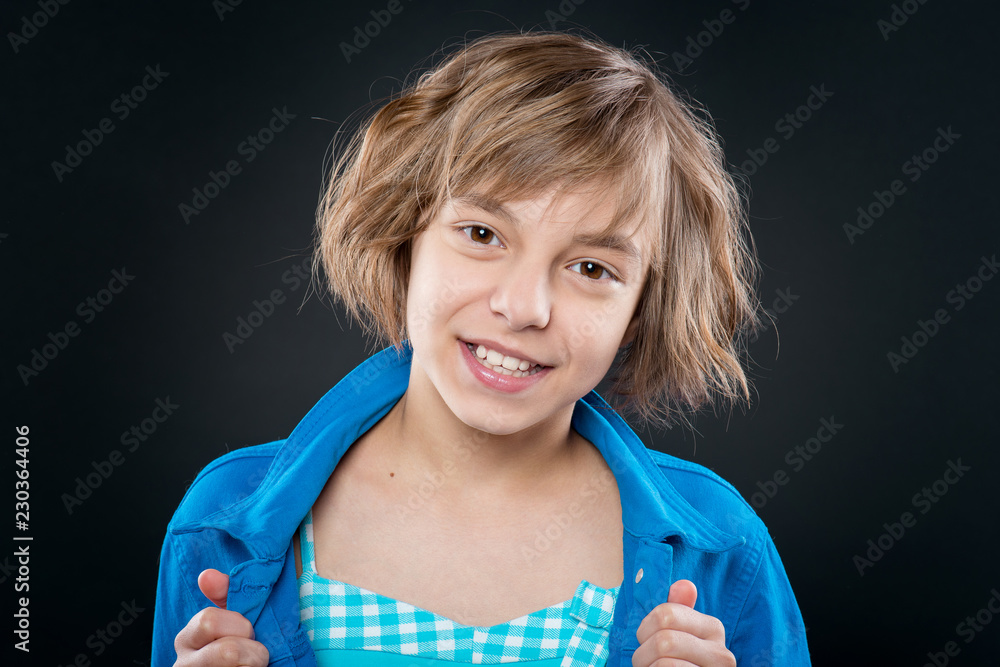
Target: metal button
<point>638,576</point>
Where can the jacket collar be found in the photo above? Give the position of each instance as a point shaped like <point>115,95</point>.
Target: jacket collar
<point>266,519</point>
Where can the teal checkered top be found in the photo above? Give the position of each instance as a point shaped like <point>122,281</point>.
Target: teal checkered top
<point>347,625</point>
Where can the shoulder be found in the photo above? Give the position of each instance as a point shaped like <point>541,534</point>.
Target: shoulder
<point>226,480</point>
<point>712,496</point>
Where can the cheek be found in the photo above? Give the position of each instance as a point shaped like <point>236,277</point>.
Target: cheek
<point>599,331</point>
<point>434,289</point>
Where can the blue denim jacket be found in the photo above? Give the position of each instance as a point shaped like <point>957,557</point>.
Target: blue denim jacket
<point>681,521</point>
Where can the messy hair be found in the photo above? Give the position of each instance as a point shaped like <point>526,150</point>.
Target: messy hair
<point>510,116</point>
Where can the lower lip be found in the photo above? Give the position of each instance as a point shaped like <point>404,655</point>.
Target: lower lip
<point>505,383</point>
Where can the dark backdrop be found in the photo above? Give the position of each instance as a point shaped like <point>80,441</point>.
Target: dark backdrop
<point>892,111</point>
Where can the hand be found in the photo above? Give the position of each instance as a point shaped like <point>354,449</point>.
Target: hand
<point>215,637</point>
<point>675,635</point>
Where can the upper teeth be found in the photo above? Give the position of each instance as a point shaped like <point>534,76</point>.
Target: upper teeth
<point>500,361</point>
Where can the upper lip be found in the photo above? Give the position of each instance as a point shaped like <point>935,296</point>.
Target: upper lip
<point>502,349</point>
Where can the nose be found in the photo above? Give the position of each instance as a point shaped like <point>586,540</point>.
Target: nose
<point>523,297</point>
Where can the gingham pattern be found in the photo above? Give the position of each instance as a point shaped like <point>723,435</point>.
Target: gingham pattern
<point>592,608</point>
<point>337,615</point>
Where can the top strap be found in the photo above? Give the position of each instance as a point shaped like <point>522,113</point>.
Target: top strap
<point>306,544</point>
<point>593,608</point>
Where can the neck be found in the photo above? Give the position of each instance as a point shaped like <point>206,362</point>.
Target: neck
<point>469,467</point>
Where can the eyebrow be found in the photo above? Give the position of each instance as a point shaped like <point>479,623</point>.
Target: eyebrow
<point>610,240</point>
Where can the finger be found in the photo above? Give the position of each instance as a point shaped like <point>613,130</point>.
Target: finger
<point>674,616</point>
<point>675,648</point>
<point>215,586</point>
<point>211,624</point>
<point>663,650</point>
<point>683,591</point>
<point>230,652</point>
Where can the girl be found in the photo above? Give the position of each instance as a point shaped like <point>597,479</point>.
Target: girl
<point>536,210</point>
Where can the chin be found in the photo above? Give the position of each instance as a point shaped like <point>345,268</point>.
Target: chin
<point>492,418</point>
<point>489,422</point>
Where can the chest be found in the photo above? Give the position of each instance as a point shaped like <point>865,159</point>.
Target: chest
<point>481,566</point>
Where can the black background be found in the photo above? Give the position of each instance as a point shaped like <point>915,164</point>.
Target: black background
<point>162,336</point>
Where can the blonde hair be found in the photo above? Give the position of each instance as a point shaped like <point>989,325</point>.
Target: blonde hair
<point>511,115</point>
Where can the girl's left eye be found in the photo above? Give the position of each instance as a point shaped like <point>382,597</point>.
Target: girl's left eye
<point>482,235</point>
<point>592,270</point>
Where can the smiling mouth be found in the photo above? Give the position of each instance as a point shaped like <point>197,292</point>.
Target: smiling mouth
<point>504,364</point>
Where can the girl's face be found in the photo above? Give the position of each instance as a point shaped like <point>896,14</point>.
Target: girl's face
<point>531,286</point>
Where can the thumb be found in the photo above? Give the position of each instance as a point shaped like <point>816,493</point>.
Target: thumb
<point>683,591</point>
<point>215,586</point>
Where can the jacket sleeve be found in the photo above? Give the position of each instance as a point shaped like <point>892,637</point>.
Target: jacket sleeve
<point>177,600</point>
<point>769,630</point>
<point>186,551</point>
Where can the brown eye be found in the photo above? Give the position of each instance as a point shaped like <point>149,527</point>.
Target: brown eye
<point>593,270</point>
<point>483,235</point>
